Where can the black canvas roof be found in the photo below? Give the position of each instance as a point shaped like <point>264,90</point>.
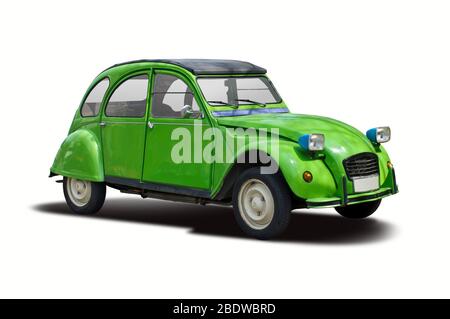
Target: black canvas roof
<point>209,66</point>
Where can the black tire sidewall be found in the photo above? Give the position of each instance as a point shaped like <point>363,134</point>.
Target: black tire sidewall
<point>358,211</point>
<point>282,201</point>
<point>98,193</point>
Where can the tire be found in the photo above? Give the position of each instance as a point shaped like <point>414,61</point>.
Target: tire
<point>84,197</point>
<point>262,203</point>
<point>362,210</point>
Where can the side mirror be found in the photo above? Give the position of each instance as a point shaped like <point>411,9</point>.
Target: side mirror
<point>186,111</point>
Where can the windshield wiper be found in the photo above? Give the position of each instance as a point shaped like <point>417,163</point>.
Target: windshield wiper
<point>251,101</point>
<point>224,103</point>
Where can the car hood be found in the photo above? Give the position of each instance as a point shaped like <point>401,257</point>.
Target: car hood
<point>341,140</point>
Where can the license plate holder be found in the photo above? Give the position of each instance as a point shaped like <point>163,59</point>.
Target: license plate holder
<point>366,183</point>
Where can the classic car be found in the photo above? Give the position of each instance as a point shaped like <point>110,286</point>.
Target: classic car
<point>217,132</point>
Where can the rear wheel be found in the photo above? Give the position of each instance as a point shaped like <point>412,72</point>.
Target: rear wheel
<point>84,197</point>
<point>262,203</point>
<point>362,210</point>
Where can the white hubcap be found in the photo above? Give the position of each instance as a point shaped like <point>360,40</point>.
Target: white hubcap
<point>256,204</point>
<point>79,191</point>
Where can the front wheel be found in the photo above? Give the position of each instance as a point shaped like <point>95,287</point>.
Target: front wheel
<point>84,197</point>
<point>362,210</point>
<point>261,203</point>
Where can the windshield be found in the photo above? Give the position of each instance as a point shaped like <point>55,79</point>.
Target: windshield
<point>234,91</point>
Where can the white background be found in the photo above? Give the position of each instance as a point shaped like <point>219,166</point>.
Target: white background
<point>368,63</point>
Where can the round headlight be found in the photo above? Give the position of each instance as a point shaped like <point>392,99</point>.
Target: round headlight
<point>379,134</point>
<point>312,142</point>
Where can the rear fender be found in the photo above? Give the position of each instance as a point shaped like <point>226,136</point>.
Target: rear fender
<point>80,156</point>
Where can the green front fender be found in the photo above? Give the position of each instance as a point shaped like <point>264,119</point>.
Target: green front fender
<point>80,156</point>
<point>324,187</point>
<point>293,163</point>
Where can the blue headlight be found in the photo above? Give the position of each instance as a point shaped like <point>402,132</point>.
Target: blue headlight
<point>304,141</point>
<point>372,135</point>
<point>379,134</point>
<point>312,142</point>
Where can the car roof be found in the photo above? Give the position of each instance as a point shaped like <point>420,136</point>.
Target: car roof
<point>207,66</point>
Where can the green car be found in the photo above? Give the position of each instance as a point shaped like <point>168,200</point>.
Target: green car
<point>217,132</point>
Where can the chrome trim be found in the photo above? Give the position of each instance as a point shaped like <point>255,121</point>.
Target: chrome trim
<point>250,111</point>
<point>155,123</point>
<point>180,124</point>
<point>104,123</point>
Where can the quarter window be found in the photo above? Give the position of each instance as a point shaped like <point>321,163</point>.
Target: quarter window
<point>92,103</point>
<point>129,99</point>
<point>170,95</point>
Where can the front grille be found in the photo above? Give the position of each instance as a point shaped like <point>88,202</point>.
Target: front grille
<point>360,165</point>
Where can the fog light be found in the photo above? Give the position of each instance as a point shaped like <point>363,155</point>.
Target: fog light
<point>390,165</point>
<point>307,176</point>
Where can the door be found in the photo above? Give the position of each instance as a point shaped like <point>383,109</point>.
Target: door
<point>123,128</point>
<point>165,162</point>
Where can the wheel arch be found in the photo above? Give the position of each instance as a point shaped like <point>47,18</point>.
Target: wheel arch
<point>241,164</point>
<point>291,165</point>
<point>80,156</point>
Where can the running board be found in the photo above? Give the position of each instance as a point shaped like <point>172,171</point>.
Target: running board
<point>174,197</point>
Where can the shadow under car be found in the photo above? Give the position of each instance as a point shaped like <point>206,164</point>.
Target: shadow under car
<point>305,226</point>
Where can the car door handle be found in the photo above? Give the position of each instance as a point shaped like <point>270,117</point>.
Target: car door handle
<point>150,124</point>
<point>102,124</point>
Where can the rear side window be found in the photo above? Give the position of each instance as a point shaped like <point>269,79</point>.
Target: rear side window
<point>92,103</point>
<point>129,99</point>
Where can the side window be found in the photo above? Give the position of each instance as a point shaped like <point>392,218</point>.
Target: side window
<point>129,99</point>
<point>92,102</point>
<point>170,95</point>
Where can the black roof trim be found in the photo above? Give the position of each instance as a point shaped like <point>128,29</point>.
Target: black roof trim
<point>207,66</point>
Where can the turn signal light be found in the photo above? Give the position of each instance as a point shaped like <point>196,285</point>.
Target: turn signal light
<point>307,176</point>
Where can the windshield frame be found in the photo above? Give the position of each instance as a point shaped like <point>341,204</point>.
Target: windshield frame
<point>238,104</point>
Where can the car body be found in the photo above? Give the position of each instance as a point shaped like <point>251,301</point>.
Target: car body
<point>122,136</point>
